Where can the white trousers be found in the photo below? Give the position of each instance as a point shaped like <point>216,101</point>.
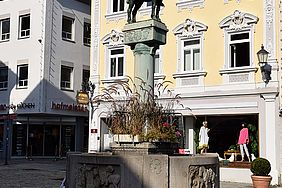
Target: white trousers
<point>242,148</point>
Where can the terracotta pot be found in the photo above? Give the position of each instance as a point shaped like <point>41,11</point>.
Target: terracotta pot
<point>261,181</point>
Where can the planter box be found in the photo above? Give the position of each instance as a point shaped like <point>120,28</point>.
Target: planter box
<point>126,138</point>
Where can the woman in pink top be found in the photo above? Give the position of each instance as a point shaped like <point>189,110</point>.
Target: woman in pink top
<point>243,141</point>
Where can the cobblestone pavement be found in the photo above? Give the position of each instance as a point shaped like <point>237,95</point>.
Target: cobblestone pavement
<point>38,173</point>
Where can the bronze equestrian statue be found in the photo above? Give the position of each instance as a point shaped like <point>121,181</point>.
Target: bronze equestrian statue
<point>131,12</point>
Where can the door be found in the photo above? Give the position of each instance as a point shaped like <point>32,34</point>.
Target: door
<point>51,140</point>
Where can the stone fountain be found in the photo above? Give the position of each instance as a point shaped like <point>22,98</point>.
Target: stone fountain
<point>142,169</point>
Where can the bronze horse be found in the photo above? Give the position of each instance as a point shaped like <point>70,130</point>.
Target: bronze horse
<point>131,13</point>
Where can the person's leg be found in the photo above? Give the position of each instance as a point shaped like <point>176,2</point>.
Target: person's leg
<point>242,152</point>
<point>247,152</point>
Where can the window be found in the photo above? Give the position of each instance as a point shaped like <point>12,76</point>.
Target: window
<point>66,77</point>
<point>118,6</point>
<point>239,66</point>
<point>191,55</point>
<point>5,29</point>
<point>22,76</point>
<point>239,49</point>
<point>85,75</point>
<point>1,136</point>
<point>68,28</point>
<point>116,62</point>
<point>3,78</point>
<point>157,62</point>
<point>24,26</point>
<point>86,34</point>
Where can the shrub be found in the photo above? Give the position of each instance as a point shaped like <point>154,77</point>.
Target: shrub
<point>260,167</point>
<point>144,113</point>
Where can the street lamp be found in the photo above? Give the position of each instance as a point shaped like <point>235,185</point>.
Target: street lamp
<point>265,68</point>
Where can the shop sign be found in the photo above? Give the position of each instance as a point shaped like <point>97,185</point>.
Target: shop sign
<point>69,107</point>
<point>21,105</point>
<point>9,116</point>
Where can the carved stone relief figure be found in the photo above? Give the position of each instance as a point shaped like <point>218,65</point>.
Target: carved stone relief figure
<point>98,176</point>
<point>202,177</point>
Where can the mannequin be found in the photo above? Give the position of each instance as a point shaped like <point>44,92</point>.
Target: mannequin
<point>204,138</point>
<point>243,141</point>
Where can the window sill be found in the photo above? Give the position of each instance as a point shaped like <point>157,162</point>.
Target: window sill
<point>238,70</point>
<point>116,16</point>
<point>22,87</point>
<point>87,45</point>
<point>68,40</point>
<point>113,80</point>
<point>67,89</point>
<point>189,74</point>
<point>3,89</point>
<point>26,37</point>
<point>190,4</point>
<point>7,40</point>
<point>158,76</point>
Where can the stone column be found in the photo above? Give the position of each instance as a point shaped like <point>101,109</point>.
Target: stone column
<point>144,38</point>
<point>271,134</point>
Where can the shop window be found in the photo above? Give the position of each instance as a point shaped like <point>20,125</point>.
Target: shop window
<point>19,147</point>
<point>85,75</point>
<point>87,34</point>
<point>5,29</point>
<point>3,78</point>
<point>116,62</point>
<point>68,28</point>
<point>68,139</point>
<point>1,136</point>
<point>24,31</point>
<point>66,77</point>
<point>224,134</point>
<point>22,76</point>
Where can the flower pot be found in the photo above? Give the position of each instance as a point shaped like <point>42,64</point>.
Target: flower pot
<point>261,181</point>
<point>126,138</point>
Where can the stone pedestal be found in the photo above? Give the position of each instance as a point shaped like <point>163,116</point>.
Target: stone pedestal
<point>144,38</point>
<point>142,171</point>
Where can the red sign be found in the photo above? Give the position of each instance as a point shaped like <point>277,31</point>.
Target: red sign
<point>10,116</point>
<point>94,130</point>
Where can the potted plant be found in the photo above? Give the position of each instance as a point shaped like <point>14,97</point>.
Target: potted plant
<point>141,115</point>
<point>260,167</point>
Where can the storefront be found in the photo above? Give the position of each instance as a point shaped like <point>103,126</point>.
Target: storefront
<point>48,136</point>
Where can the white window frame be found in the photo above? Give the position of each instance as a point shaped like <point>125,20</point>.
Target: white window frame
<point>24,33</point>
<point>4,83</point>
<point>116,56</point>
<point>189,30</point>
<point>191,48</point>
<point>113,16</point>
<point>112,41</point>
<point>238,23</point>
<point>63,83</point>
<point>66,34</point>
<point>230,42</point>
<point>22,83</point>
<point>4,36</point>
<point>189,4</point>
<point>86,39</point>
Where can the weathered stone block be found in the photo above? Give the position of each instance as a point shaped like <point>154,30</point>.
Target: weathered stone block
<point>149,32</point>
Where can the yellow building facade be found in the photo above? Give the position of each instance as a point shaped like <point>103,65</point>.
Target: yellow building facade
<point>211,58</point>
